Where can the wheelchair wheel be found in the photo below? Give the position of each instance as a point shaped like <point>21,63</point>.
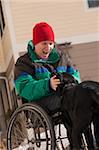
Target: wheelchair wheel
<point>62,142</point>
<point>30,128</point>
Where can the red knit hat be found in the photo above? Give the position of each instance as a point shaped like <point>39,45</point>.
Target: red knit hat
<point>42,32</point>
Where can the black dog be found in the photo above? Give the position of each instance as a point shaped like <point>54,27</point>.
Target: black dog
<point>80,102</point>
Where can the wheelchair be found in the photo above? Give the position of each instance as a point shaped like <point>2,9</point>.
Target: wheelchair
<point>32,128</point>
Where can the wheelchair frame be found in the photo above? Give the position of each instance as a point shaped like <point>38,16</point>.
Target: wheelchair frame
<point>32,119</point>
<point>31,116</point>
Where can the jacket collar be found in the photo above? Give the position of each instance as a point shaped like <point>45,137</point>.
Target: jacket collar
<point>53,57</point>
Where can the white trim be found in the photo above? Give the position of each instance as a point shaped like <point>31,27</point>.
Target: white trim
<point>80,38</point>
<point>10,24</point>
<point>74,39</point>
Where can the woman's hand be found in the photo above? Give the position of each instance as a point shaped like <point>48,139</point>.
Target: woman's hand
<point>54,82</point>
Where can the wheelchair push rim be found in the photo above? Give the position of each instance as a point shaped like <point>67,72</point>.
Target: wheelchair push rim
<point>30,128</point>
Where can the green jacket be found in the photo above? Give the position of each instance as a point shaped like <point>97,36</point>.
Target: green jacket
<point>32,75</point>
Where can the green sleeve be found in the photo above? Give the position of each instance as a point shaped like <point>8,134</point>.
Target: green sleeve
<point>32,89</point>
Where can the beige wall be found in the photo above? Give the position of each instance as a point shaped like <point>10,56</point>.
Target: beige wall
<point>68,18</point>
<point>5,50</point>
<point>86,57</point>
<point>2,64</point>
<point>7,47</point>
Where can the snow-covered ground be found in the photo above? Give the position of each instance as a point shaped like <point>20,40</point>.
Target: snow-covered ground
<point>25,145</point>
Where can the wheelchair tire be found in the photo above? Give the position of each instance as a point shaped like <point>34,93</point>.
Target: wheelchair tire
<point>30,128</point>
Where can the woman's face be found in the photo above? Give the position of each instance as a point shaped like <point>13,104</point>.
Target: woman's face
<point>43,49</point>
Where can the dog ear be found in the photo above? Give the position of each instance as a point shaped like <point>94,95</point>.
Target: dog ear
<point>68,78</point>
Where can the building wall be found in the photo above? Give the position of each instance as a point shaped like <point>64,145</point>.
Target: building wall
<point>2,64</point>
<point>5,42</point>
<point>68,18</point>
<point>86,57</point>
<point>6,48</point>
